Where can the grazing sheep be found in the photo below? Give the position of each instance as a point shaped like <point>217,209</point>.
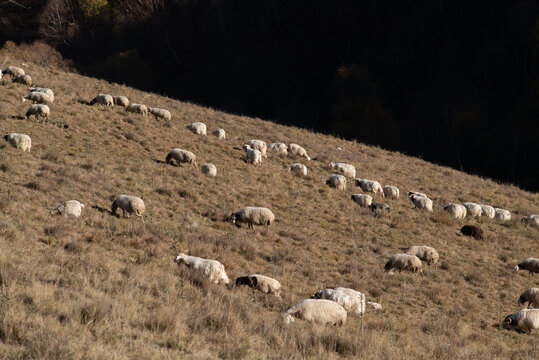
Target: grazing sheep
<point>19,141</point>
<point>121,100</point>
<point>197,128</point>
<point>38,110</point>
<point>261,283</point>
<point>339,297</point>
<point>258,145</point>
<point>103,99</point>
<point>23,79</point>
<point>137,109</point>
<point>252,216</point>
<point>379,208</point>
<point>363,200</point>
<point>473,209</point>
<point>68,208</point>
<point>524,320</point>
<point>501,214</point>
<point>13,71</point>
<point>337,181</point>
<point>421,202</point>
<point>129,205</point>
<point>251,155</point>
<point>424,253</point>
<point>391,192</point>
<point>220,133</point>
<point>279,148</point>
<point>532,220</point>
<point>370,186</point>
<point>325,312</point>
<point>181,156</point>
<point>530,296</point>
<point>404,262</point>
<point>473,231</point>
<point>374,305</point>
<point>357,300</point>
<point>297,150</point>
<point>160,113</point>
<point>530,264</point>
<point>209,169</point>
<point>456,211</point>
<point>488,211</point>
<point>38,97</point>
<point>344,169</point>
<point>298,168</point>
<point>211,269</point>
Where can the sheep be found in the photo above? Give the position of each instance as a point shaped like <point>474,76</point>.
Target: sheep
<point>220,133</point>
<point>357,300</point>
<point>181,156</point>
<point>456,211</point>
<point>68,208</point>
<point>404,262</point>
<point>325,312</point>
<point>344,169</point>
<point>38,97</point>
<point>532,220</point>
<point>473,231</point>
<point>424,253</point>
<point>258,145</point>
<point>261,283</point>
<point>38,110</point>
<point>252,216</point>
<point>197,128</point>
<point>298,168</point>
<point>363,200</point>
<point>370,186</point>
<point>530,264</point>
<point>279,148</point>
<point>13,71</point>
<point>160,113</point>
<point>473,209</point>
<point>19,141</point>
<point>421,202</point>
<point>339,297</point>
<point>379,208</point>
<point>524,320</point>
<point>137,109</point>
<point>251,155</point>
<point>502,215</point>
<point>121,100</point>
<point>488,211</point>
<point>337,181</point>
<point>391,192</point>
<point>44,90</point>
<point>297,150</point>
<point>211,269</point>
<point>530,296</point>
<point>23,79</point>
<point>129,205</point>
<point>103,99</point>
<point>209,170</point>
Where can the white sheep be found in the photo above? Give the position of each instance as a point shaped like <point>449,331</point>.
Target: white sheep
<point>488,211</point>
<point>370,186</point>
<point>279,148</point>
<point>532,220</point>
<point>211,269</point>
<point>197,128</point>
<point>298,168</point>
<point>297,150</point>
<point>421,202</point>
<point>339,297</point>
<point>251,155</point>
<point>160,113</point>
<point>357,300</point>
<point>391,192</point>
<point>524,320</point>
<point>37,97</point>
<point>473,209</point>
<point>252,216</point>
<point>456,211</point>
<point>129,205</point>
<point>103,99</point>
<point>137,109</point>
<point>344,169</point>
<point>261,283</point>
<point>43,90</point>
<point>501,214</point>
<point>424,253</point>
<point>181,156</point>
<point>38,110</point>
<point>363,200</point>
<point>220,133</point>
<point>209,170</point>
<point>13,71</point>
<point>258,145</point>
<point>530,296</point>
<point>68,208</point>
<point>337,181</point>
<point>23,79</point>
<point>321,311</point>
<point>19,141</point>
<point>121,100</point>
<point>530,264</point>
<point>404,262</point>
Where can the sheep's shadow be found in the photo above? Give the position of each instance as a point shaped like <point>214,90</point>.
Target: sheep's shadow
<point>161,162</point>
<point>101,209</point>
<point>82,101</point>
<point>17,117</point>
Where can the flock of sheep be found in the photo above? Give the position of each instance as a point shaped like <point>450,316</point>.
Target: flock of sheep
<point>328,306</point>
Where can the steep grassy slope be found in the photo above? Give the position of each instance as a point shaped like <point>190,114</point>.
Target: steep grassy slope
<point>104,287</point>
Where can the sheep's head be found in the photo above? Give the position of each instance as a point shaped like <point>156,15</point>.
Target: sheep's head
<point>521,300</point>
<point>232,218</point>
<point>178,259</point>
<point>516,268</point>
<point>508,322</point>
<point>288,319</point>
<point>5,137</point>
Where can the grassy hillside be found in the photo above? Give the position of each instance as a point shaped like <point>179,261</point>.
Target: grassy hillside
<point>104,287</point>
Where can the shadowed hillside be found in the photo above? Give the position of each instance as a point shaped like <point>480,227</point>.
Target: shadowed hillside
<point>106,287</point>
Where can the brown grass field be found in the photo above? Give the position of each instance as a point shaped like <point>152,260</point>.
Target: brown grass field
<point>102,287</point>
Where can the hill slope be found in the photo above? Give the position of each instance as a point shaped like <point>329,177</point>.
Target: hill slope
<point>105,287</point>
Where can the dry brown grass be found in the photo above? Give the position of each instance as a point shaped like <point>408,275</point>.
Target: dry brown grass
<point>104,287</point>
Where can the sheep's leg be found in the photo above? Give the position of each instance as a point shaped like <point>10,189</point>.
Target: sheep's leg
<point>250,225</point>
